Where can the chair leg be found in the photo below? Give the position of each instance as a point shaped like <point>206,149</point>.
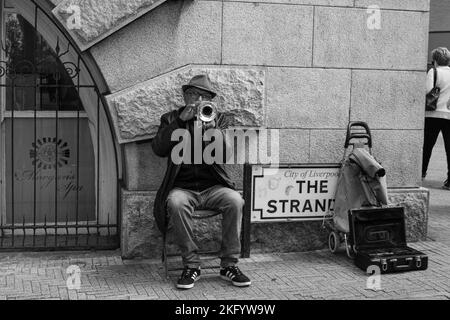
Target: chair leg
<point>166,268</point>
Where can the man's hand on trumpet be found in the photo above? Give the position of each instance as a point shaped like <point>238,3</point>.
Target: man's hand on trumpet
<point>190,111</point>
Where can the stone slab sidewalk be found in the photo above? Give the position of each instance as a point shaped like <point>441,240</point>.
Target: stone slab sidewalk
<point>293,276</point>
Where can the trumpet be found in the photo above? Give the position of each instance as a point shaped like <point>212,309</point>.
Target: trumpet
<point>207,111</point>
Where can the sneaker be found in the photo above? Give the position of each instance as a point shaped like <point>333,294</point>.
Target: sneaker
<point>446,185</point>
<point>235,275</point>
<point>188,278</point>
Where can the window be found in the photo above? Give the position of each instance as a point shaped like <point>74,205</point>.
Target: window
<point>36,71</point>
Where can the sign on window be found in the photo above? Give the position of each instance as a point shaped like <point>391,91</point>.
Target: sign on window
<point>50,173</point>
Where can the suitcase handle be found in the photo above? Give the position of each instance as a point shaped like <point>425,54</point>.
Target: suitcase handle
<point>396,266</point>
<point>358,135</point>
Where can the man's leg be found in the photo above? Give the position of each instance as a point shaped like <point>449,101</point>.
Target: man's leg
<point>230,203</point>
<point>180,208</point>
<point>432,129</point>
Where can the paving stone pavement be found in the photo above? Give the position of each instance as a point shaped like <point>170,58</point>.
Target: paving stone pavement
<point>281,276</point>
<point>289,276</point>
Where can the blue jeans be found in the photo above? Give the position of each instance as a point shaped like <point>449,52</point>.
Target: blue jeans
<point>181,204</point>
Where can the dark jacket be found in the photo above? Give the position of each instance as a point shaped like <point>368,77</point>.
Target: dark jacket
<point>162,146</point>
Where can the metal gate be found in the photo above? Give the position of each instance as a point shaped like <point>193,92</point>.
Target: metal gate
<point>51,147</point>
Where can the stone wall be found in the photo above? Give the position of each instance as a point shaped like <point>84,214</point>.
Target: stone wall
<point>141,237</point>
<point>98,18</point>
<point>306,67</point>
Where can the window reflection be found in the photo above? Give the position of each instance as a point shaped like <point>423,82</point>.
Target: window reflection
<point>35,67</point>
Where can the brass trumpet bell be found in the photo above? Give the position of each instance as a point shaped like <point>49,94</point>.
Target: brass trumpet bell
<point>207,111</point>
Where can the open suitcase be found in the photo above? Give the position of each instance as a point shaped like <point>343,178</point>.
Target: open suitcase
<point>379,239</point>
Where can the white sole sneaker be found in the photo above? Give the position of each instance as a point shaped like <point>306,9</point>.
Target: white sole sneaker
<point>237,284</point>
<point>188,286</point>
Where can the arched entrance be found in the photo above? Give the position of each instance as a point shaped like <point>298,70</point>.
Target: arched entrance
<point>58,160</point>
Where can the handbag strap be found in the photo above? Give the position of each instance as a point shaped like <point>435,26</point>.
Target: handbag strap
<point>435,77</point>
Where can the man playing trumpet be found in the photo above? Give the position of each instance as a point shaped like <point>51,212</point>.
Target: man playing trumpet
<point>190,186</point>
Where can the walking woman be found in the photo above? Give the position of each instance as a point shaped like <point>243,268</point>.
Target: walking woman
<point>438,120</point>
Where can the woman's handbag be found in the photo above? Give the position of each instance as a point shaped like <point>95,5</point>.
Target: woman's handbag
<point>433,95</point>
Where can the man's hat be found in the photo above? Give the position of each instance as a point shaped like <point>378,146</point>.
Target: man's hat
<point>201,82</point>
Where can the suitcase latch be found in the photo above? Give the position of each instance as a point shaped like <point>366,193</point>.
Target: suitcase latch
<point>418,262</point>
<point>384,265</point>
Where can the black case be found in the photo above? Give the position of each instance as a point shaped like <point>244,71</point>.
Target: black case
<point>379,239</point>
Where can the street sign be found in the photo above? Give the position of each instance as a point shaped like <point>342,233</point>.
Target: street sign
<point>293,193</point>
